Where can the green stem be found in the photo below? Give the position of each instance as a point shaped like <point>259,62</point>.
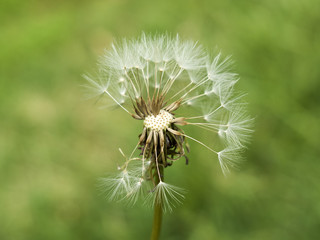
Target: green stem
<point>157,217</point>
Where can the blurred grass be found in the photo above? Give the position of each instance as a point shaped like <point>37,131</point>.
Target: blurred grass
<point>54,145</point>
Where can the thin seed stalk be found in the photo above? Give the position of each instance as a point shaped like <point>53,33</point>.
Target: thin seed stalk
<point>157,217</point>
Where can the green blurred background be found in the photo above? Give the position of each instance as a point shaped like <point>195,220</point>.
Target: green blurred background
<point>54,145</point>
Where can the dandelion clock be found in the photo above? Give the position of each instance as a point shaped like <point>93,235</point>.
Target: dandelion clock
<point>167,83</point>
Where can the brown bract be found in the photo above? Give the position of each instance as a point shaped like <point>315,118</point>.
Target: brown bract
<point>162,146</point>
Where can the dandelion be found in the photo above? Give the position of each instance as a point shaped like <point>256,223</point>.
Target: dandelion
<point>170,85</point>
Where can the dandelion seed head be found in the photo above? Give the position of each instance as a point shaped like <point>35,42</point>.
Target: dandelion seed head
<point>170,85</point>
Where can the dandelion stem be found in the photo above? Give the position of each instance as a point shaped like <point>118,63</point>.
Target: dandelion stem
<point>157,217</point>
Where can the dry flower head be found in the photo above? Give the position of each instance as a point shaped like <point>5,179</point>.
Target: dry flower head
<point>168,83</point>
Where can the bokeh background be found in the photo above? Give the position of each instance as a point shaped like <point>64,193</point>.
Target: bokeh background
<point>54,145</point>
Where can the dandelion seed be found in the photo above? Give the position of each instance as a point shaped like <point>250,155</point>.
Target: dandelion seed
<point>153,77</point>
<point>137,191</point>
<point>229,157</point>
<point>116,187</point>
<point>166,195</point>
